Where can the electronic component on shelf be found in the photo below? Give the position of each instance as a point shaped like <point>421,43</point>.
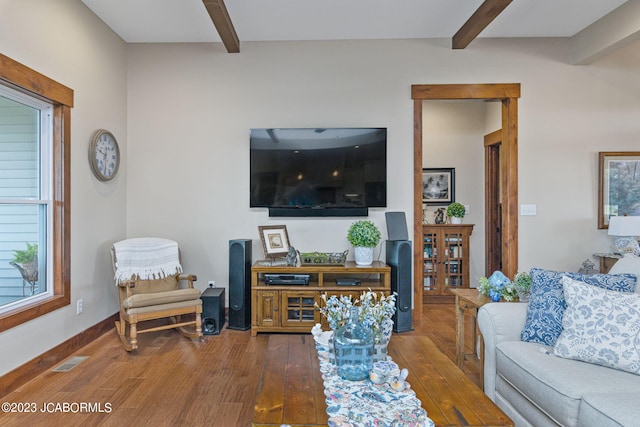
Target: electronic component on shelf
<point>347,282</point>
<point>286,279</point>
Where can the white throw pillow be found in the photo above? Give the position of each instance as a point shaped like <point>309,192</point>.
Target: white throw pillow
<point>629,263</point>
<point>600,326</point>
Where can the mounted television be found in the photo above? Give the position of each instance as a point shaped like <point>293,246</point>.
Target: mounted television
<point>318,171</point>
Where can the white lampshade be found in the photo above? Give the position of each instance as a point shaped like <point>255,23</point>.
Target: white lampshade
<point>624,226</point>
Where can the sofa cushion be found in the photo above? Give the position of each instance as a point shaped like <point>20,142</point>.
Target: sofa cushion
<point>609,409</point>
<point>547,304</point>
<point>600,326</point>
<point>556,385</point>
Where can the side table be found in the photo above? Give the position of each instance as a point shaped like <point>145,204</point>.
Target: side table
<point>472,300</point>
<point>607,260</point>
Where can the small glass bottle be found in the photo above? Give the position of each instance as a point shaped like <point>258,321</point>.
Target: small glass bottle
<point>353,345</point>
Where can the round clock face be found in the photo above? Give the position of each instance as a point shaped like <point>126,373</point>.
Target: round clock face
<point>104,155</point>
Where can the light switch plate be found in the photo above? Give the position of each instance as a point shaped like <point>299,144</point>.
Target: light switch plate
<point>528,210</point>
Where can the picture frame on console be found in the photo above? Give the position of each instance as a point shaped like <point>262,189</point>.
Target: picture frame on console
<point>438,186</point>
<point>618,181</point>
<point>275,240</point>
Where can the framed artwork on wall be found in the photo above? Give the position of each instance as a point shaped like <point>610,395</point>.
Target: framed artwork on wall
<point>618,185</point>
<point>275,241</point>
<point>438,186</point>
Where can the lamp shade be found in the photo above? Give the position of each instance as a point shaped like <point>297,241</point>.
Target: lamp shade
<point>624,226</point>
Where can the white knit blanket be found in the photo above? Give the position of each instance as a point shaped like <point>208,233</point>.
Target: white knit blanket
<point>146,258</point>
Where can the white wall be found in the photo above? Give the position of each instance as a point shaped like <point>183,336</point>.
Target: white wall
<point>182,112</point>
<point>63,40</point>
<point>191,106</point>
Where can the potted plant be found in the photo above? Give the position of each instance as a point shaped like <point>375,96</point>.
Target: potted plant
<point>26,261</point>
<point>522,282</point>
<point>364,236</point>
<point>456,212</point>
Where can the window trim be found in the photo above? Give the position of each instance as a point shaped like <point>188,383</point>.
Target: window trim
<point>61,97</point>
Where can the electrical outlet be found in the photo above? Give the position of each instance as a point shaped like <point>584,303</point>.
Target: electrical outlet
<point>467,210</point>
<point>79,307</point>
<point>212,283</point>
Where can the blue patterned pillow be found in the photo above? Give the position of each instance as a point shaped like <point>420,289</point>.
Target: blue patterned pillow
<point>547,304</point>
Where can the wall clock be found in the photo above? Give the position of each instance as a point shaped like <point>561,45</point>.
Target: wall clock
<point>104,155</point>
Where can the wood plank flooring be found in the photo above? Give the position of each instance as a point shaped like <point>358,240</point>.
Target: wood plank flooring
<point>172,381</point>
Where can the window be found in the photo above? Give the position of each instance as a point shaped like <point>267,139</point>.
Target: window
<point>25,198</point>
<point>34,194</point>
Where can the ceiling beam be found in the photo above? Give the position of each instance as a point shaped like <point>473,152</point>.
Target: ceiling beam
<point>480,19</point>
<point>613,31</point>
<point>220,17</point>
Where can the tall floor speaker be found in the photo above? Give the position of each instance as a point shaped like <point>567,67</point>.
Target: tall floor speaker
<point>212,310</point>
<point>240,284</point>
<point>399,256</point>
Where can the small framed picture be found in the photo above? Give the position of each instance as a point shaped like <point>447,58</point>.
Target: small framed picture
<point>275,241</point>
<point>438,186</point>
<point>618,185</point>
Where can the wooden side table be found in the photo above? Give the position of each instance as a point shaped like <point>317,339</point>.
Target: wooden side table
<point>472,300</point>
<point>607,260</point>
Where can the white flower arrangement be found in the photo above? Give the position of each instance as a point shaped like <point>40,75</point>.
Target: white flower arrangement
<point>376,311</point>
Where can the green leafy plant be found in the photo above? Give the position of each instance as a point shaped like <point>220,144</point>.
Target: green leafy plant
<point>364,233</point>
<point>523,281</point>
<point>456,209</point>
<point>26,256</point>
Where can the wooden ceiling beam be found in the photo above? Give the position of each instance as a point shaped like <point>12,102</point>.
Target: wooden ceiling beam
<point>480,19</point>
<point>222,21</point>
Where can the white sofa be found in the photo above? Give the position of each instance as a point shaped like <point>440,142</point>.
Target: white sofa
<point>536,388</point>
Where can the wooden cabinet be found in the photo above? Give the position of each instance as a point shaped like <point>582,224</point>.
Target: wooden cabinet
<point>445,261</point>
<point>291,308</point>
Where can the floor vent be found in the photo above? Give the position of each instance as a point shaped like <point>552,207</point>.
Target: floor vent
<point>69,364</point>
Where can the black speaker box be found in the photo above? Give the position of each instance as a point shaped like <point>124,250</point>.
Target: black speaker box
<point>399,258</point>
<point>396,226</point>
<point>212,311</point>
<point>240,284</point>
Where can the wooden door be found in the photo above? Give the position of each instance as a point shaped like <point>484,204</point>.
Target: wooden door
<point>493,203</point>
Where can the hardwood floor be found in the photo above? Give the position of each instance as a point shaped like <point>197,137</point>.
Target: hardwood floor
<point>172,381</point>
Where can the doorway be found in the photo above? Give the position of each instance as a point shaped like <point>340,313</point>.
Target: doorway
<point>508,95</point>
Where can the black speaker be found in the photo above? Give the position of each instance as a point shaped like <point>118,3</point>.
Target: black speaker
<point>396,226</point>
<point>212,310</point>
<point>399,258</point>
<point>240,284</point>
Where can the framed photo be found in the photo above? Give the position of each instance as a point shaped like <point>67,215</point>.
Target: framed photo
<point>438,186</point>
<point>618,185</point>
<point>275,241</point>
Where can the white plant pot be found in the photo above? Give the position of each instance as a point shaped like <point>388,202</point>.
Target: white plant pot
<point>363,256</point>
<point>456,220</point>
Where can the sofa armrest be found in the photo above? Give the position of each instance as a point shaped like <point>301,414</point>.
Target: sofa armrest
<point>498,322</point>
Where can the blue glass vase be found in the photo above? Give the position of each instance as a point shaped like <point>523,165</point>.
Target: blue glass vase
<point>353,345</point>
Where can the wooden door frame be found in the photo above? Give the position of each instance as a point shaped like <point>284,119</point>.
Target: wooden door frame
<point>508,95</point>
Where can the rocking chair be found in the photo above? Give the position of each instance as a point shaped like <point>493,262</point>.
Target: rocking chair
<point>149,276</point>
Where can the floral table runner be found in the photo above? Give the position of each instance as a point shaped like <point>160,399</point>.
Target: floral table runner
<point>363,403</point>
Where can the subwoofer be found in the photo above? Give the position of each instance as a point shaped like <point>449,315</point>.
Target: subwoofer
<point>240,284</point>
<point>399,258</point>
<point>212,311</point>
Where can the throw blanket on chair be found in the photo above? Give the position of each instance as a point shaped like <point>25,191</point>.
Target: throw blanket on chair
<point>146,258</point>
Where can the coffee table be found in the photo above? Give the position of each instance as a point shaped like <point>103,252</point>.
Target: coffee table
<point>291,390</point>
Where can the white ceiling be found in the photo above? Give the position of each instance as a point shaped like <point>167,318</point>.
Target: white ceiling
<point>262,20</point>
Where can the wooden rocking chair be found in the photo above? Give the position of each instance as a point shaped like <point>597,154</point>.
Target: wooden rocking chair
<point>154,291</point>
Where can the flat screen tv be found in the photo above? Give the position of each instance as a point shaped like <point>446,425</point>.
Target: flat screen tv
<point>318,171</point>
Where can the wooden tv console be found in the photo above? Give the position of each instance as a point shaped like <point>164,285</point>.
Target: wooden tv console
<point>291,308</point>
